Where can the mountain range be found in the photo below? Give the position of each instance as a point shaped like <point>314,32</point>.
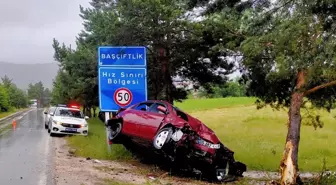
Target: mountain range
<point>23,74</point>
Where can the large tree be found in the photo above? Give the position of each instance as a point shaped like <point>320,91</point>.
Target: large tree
<point>290,61</point>
<point>288,57</point>
<point>175,45</point>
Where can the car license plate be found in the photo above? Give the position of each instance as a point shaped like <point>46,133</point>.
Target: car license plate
<point>71,129</point>
<point>214,146</point>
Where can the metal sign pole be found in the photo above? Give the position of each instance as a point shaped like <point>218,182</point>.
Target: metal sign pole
<point>107,117</point>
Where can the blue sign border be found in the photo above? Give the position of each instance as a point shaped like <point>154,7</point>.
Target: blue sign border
<point>114,67</point>
<point>141,47</point>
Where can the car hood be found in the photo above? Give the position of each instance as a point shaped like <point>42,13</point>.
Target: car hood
<point>202,130</point>
<point>70,120</point>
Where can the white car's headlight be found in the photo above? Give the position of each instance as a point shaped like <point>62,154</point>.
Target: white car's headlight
<point>57,122</point>
<point>84,125</point>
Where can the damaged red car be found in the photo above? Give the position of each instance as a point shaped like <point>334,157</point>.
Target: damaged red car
<point>183,139</point>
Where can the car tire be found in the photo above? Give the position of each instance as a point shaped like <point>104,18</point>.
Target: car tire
<point>45,126</point>
<point>115,133</point>
<point>162,137</point>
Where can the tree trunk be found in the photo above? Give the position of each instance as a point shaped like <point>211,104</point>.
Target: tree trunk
<point>94,111</point>
<point>289,163</point>
<point>88,111</point>
<point>84,110</point>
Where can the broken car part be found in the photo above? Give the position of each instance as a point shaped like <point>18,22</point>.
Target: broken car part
<point>182,139</point>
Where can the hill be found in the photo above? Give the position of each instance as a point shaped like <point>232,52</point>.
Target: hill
<point>23,74</point>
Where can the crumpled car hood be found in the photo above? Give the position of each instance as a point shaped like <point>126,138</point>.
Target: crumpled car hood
<point>202,130</point>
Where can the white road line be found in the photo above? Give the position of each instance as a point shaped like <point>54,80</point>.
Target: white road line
<point>43,173</point>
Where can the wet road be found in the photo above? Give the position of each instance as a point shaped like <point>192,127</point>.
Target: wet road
<point>25,153</point>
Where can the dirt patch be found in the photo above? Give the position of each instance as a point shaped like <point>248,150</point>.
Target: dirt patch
<point>85,171</point>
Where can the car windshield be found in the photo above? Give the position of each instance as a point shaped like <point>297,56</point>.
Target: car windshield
<point>69,113</point>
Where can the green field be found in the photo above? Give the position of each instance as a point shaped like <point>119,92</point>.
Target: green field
<point>256,136</point>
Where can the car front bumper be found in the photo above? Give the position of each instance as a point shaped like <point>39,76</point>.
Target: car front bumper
<point>59,129</point>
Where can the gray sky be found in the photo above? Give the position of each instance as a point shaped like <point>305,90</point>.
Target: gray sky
<point>27,28</point>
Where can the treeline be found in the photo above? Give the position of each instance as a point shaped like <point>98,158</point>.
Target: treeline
<point>285,51</point>
<point>229,89</point>
<point>39,92</point>
<point>11,97</point>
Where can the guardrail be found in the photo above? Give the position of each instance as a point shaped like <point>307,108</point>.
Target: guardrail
<point>12,116</point>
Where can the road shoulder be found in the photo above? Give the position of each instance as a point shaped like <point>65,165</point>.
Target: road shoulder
<point>79,171</point>
<point>18,113</point>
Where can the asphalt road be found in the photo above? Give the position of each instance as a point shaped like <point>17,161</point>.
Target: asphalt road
<point>25,153</point>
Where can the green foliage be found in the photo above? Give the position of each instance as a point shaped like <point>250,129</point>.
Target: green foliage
<point>37,91</point>
<point>11,96</point>
<point>4,99</point>
<point>175,46</point>
<point>229,89</point>
<point>295,41</point>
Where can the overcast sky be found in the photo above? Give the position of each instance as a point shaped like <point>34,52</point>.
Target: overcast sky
<point>27,28</point>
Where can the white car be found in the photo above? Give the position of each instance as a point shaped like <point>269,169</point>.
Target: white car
<point>67,120</point>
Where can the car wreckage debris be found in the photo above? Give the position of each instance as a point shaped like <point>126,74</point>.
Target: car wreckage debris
<point>181,139</point>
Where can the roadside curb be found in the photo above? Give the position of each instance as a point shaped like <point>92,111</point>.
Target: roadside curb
<point>12,115</point>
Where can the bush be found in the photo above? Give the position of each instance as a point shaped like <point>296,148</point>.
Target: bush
<point>4,99</point>
<point>230,89</point>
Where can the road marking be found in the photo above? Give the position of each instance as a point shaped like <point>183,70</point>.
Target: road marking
<point>43,173</point>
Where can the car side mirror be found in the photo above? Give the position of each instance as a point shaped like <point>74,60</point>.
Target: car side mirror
<point>51,114</point>
<point>86,117</point>
<point>162,109</point>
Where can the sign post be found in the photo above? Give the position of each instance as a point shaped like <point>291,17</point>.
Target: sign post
<point>122,77</point>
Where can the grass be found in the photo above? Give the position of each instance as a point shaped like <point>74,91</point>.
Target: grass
<point>95,145</point>
<point>256,136</point>
<point>191,105</point>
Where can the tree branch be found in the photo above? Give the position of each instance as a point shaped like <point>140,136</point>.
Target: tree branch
<point>312,90</point>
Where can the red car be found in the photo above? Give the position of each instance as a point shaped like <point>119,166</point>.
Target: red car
<point>164,128</point>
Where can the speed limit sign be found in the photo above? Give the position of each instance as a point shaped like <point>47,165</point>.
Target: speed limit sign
<point>123,96</point>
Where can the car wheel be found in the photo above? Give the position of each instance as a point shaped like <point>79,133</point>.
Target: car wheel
<point>49,128</point>
<point>115,133</point>
<point>162,137</point>
<point>45,126</point>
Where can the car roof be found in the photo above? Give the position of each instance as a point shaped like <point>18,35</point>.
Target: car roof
<point>155,101</point>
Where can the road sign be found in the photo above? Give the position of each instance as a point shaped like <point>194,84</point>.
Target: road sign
<point>115,84</point>
<point>125,56</point>
<point>123,96</point>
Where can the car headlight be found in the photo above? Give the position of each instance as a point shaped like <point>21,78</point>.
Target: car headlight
<point>201,141</point>
<point>57,122</point>
<point>84,125</point>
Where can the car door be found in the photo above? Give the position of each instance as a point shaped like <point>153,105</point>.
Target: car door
<point>134,117</point>
<point>152,121</point>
